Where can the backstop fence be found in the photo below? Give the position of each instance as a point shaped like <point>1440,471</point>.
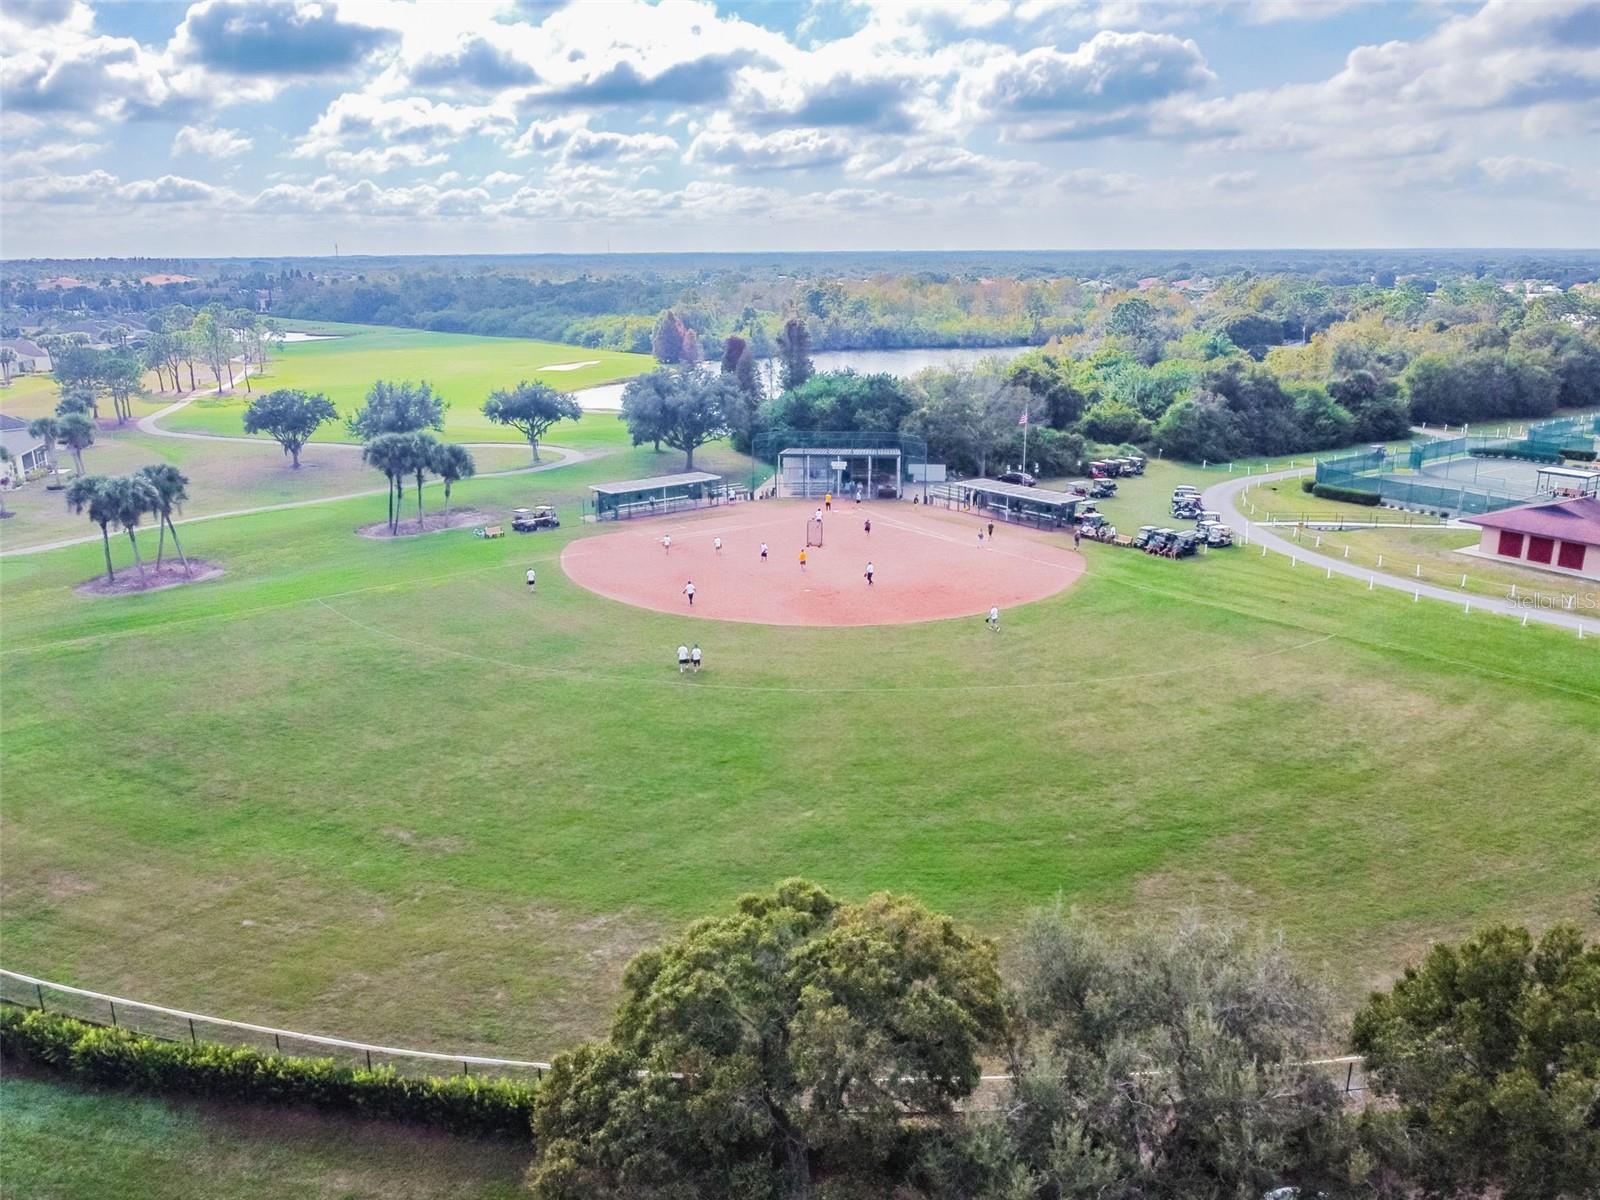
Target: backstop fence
<point>812,463</point>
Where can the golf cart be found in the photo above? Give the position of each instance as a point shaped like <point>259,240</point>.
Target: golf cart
<point>1135,465</point>
<point>1186,490</point>
<point>1215,533</point>
<point>531,520</point>
<point>1101,469</point>
<point>1090,521</point>
<point>1159,540</point>
<point>1183,545</point>
<point>1141,540</point>
<point>1100,489</point>
<point>1021,477</point>
<point>1186,511</point>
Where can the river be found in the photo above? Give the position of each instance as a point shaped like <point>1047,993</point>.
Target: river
<point>900,363</point>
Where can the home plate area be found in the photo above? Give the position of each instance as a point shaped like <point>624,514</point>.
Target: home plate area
<point>928,564</point>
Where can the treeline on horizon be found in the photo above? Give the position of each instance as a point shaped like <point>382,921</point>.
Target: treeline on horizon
<point>1199,366</point>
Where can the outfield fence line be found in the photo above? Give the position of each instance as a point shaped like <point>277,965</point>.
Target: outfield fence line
<point>118,1012</point>
<point>179,1025</point>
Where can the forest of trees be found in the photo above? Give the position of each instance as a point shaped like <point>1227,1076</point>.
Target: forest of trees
<point>1264,366</point>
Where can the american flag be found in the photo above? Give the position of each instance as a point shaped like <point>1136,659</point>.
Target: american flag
<point>1023,420</point>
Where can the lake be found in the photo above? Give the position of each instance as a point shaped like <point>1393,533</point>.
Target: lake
<point>900,363</point>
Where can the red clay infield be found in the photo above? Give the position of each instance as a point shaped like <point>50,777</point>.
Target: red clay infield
<point>928,564</point>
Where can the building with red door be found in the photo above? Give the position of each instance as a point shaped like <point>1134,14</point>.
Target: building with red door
<point>1561,535</point>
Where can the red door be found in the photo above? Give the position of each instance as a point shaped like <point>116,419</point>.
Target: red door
<point>1510,544</point>
<point>1541,549</point>
<point>1571,556</point>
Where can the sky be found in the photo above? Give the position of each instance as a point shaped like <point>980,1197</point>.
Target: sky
<point>285,127</point>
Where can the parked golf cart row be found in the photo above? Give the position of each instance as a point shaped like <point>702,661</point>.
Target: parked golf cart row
<point>1167,543</point>
<point>1110,468</point>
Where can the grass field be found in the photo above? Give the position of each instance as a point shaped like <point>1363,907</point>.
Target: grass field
<point>375,789</point>
<point>463,369</point>
<point>59,1142</point>
<point>223,477</point>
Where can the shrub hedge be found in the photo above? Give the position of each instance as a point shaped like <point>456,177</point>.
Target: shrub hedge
<point>1349,495</point>
<point>118,1058</point>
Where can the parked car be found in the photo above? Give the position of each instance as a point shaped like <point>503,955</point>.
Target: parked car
<point>1021,477</point>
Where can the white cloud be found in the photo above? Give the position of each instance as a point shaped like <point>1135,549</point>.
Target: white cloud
<point>786,150</point>
<point>209,142</point>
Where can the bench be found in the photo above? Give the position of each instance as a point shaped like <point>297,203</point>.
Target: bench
<point>494,531</point>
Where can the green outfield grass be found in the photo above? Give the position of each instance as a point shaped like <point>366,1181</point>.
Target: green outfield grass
<point>376,789</point>
<point>60,1142</point>
<point>463,369</point>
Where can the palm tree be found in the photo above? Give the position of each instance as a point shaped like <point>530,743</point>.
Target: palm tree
<point>131,497</point>
<point>171,488</point>
<point>452,463</point>
<point>48,431</point>
<point>76,432</point>
<point>391,453</point>
<point>91,492</point>
<point>423,447</point>
<point>7,357</point>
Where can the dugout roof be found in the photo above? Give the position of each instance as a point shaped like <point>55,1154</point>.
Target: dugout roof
<point>1042,497</point>
<point>844,451</point>
<point>656,483</point>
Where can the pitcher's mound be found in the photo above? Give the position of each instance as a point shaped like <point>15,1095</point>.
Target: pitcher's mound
<point>927,563</point>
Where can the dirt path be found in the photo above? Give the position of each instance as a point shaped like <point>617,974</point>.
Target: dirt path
<point>1221,497</point>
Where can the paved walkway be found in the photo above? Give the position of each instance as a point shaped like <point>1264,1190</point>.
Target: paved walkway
<point>1221,497</point>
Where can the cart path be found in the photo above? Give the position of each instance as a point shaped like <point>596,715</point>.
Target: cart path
<point>1221,497</point>
<point>568,458</point>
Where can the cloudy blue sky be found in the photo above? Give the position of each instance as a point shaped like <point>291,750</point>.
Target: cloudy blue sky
<point>240,127</point>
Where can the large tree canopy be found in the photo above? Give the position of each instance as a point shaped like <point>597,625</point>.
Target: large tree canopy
<point>289,417</point>
<point>683,408</point>
<point>530,409</point>
<point>397,408</point>
<point>1489,1053</point>
<point>763,1050</point>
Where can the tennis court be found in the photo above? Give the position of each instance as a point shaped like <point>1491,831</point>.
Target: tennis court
<point>1509,476</point>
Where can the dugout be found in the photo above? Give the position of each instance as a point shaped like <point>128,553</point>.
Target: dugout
<point>657,495</point>
<point>809,464</point>
<point>1568,481</point>
<point>1011,502</point>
